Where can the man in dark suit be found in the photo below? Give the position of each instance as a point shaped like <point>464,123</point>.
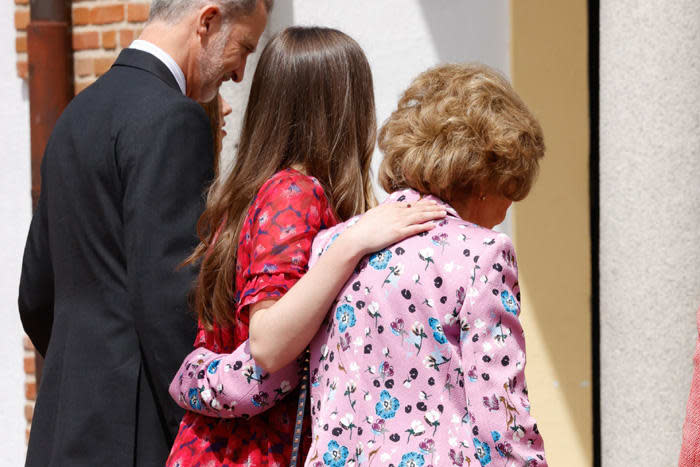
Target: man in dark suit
<point>123,178</point>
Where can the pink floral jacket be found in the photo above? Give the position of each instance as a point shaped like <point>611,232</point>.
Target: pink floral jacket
<point>420,361</point>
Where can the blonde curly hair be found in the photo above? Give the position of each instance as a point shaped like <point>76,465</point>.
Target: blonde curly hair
<point>461,130</point>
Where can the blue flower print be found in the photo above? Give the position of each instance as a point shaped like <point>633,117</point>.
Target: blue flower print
<point>483,452</point>
<point>345,314</point>
<point>438,334</point>
<point>412,459</point>
<point>336,455</point>
<point>387,405</point>
<point>509,302</point>
<point>495,435</point>
<point>193,396</point>
<point>380,260</point>
<point>213,366</point>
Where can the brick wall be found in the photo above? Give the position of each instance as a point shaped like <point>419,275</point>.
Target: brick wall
<point>101,28</point>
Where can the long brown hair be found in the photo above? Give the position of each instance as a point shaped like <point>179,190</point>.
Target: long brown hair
<point>311,105</point>
<point>213,110</point>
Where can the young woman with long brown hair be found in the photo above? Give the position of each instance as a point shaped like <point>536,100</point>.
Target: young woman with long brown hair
<point>302,165</point>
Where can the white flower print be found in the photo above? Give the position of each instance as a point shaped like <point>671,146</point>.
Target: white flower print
<point>450,319</point>
<point>416,278</point>
<point>472,293</point>
<point>518,433</point>
<point>358,342</point>
<point>285,387</point>
<point>417,427</point>
<point>346,421</point>
<point>354,367</point>
<point>433,419</point>
<point>426,254</point>
<point>479,323</point>
<point>324,352</point>
<point>205,395</point>
<point>215,404</point>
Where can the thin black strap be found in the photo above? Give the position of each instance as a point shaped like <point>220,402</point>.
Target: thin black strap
<point>301,407</point>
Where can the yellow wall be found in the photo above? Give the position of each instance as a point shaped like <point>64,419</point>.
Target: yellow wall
<point>551,227</point>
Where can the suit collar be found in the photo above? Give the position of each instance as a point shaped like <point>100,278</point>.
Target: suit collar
<point>147,62</point>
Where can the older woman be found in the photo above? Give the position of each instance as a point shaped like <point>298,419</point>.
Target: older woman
<point>421,361</point>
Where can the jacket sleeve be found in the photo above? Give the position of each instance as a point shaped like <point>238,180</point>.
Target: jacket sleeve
<point>36,287</point>
<point>165,163</point>
<point>230,385</point>
<point>287,214</point>
<point>493,361</point>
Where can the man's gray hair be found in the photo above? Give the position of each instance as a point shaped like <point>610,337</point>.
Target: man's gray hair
<point>171,11</point>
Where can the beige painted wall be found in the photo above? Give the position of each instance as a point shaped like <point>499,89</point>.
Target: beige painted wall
<point>551,227</point>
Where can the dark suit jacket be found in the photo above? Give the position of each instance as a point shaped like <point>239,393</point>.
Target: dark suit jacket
<point>123,181</point>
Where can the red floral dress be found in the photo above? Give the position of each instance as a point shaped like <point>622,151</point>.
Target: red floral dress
<point>273,254</point>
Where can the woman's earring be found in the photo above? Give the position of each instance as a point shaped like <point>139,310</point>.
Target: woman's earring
<point>482,197</point>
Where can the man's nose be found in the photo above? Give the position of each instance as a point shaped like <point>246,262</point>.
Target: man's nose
<point>238,72</point>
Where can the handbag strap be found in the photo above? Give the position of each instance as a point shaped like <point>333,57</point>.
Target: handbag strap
<point>301,408</point>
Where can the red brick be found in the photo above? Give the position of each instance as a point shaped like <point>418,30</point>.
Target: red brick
<point>137,12</point>
<point>86,40</point>
<point>107,14</point>
<point>28,412</point>
<point>23,70</point>
<point>81,16</point>
<point>126,37</point>
<point>21,44</point>
<point>30,391</point>
<point>29,365</point>
<point>27,343</point>
<point>21,19</point>
<point>83,67</point>
<point>109,39</point>
<point>102,65</point>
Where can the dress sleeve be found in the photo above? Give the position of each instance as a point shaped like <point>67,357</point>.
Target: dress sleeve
<point>493,360</point>
<point>284,218</point>
<point>283,221</point>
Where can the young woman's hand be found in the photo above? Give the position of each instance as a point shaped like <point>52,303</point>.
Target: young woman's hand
<point>389,223</point>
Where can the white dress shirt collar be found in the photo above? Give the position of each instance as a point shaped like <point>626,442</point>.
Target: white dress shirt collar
<point>163,56</point>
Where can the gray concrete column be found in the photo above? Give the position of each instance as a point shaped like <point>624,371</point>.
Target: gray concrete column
<point>649,224</point>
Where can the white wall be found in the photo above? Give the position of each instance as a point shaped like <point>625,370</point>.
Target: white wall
<point>401,39</point>
<point>650,224</point>
<point>15,214</point>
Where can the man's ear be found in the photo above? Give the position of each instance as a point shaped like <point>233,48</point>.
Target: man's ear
<point>208,19</point>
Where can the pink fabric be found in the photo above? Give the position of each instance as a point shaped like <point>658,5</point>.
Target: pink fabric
<point>421,360</point>
<point>690,450</point>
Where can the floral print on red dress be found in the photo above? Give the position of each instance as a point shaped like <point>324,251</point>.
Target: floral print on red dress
<point>273,254</point>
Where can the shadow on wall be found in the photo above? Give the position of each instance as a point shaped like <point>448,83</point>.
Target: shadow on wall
<point>236,94</point>
<point>455,26</point>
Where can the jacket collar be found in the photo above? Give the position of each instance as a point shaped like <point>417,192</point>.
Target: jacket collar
<point>410,195</point>
<point>144,61</point>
